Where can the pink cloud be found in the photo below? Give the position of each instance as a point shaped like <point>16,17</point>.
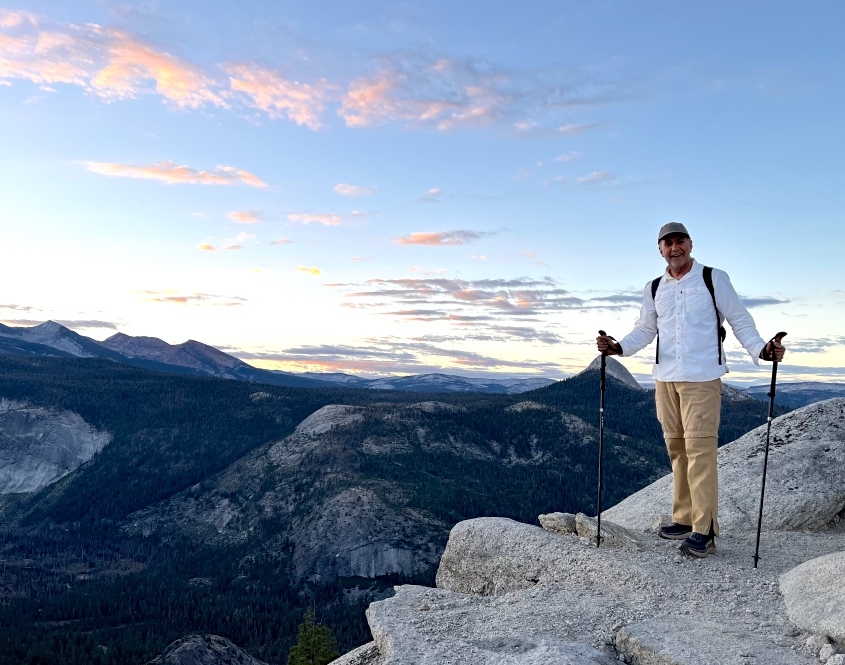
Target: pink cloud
<point>132,66</point>
<point>328,219</point>
<point>280,241</point>
<point>233,247</point>
<point>245,216</point>
<point>171,173</point>
<point>345,189</point>
<point>442,238</point>
<point>15,18</point>
<point>278,97</point>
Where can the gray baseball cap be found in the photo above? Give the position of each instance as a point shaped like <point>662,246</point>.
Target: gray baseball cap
<point>670,228</point>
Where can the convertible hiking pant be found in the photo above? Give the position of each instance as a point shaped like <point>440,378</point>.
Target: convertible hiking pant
<point>689,414</point>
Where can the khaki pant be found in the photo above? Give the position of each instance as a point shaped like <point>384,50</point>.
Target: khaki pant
<point>689,414</point>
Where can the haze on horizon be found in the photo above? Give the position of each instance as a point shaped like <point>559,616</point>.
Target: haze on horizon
<point>417,187</point>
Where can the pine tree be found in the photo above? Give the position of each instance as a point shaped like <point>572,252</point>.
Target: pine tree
<point>315,644</point>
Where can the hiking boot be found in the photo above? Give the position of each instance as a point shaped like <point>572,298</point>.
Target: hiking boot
<point>675,531</point>
<point>699,546</point>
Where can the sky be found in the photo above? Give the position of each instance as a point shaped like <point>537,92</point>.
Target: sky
<point>394,187</point>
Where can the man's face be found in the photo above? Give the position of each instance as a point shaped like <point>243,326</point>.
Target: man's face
<point>676,249</point>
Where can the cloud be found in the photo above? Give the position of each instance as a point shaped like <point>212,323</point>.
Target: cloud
<point>18,308</point>
<point>310,271</point>
<point>478,257</point>
<point>326,218</point>
<point>280,241</point>
<point>170,173</point>
<point>594,178</point>
<point>171,296</point>
<point>233,247</point>
<point>278,97</point>
<point>390,356</point>
<point>442,238</point>
<point>78,324</point>
<point>107,62</point>
<point>572,128</point>
<point>470,303</point>
<point>432,195</point>
<point>345,189</point>
<point>246,216</point>
<point>761,301</point>
<point>441,93</point>
<point>132,66</point>
<point>205,247</point>
<point>568,156</point>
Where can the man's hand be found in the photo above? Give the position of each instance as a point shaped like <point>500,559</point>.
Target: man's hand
<point>774,350</point>
<point>606,344</point>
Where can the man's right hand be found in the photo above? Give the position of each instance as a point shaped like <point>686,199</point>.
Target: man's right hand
<point>606,344</point>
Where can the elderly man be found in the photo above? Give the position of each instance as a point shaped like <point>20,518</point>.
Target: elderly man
<point>684,308</point>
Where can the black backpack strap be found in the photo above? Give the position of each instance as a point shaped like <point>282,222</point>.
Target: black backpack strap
<point>721,333</point>
<point>655,283</point>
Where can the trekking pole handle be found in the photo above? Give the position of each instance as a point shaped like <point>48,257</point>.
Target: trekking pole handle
<point>604,334</point>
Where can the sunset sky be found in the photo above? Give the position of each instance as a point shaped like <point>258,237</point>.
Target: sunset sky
<point>389,188</point>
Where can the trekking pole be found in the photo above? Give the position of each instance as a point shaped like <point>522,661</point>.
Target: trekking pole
<point>777,338</point>
<point>601,441</point>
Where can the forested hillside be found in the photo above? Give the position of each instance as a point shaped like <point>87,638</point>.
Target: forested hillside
<point>117,559</point>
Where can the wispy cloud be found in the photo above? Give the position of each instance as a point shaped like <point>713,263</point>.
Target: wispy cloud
<point>174,297</point>
<point>573,128</point>
<point>206,247</point>
<point>108,62</point>
<point>568,156</point>
<point>172,173</point>
<point>594,178</point>
<point>345,189</point>
<point>443,238</point>
<point>432,195</point>
<point>326,218</point>
<point>270,92</point>
<point>761,301</point>
<point>445,93</point>
<point>280,241</point>
<point>81,324</point>
<point>309,270</point>
<point>246,216</point>
<point>18,308</point>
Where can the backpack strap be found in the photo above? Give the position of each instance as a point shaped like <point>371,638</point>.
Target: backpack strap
<point>721,333</point>
<point>655,283</point>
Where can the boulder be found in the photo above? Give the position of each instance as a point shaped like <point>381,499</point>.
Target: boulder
<point>561,523</point>
<point>422,626</point>
<point>804,488</point>
<point>814,594</point>
<point>612,535</point>
<point>366,654</point>
<point>493,556</point>
<point>691,641</point>
<point>204,650</point>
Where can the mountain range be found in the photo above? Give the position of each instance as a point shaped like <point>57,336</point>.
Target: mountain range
<point>51,339</point>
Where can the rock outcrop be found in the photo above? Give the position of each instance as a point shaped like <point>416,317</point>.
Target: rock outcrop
<point>204,650</point>
<point>515,593</point>
<point>814,593</point>
<point>38,446</point>
<point>804,483</point>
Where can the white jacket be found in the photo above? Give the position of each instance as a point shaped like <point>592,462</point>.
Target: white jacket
<point>683,313</point>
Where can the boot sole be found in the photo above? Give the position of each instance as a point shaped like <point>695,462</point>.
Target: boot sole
<point>699,554</point>
<point>671,536</point>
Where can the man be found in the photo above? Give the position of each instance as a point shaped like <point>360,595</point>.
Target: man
<point>688,369</point>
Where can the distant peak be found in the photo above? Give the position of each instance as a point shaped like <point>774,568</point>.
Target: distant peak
<point>615,369</point>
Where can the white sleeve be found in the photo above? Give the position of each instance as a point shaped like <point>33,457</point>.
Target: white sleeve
<point>645,329</point>
<point>735,313</point>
